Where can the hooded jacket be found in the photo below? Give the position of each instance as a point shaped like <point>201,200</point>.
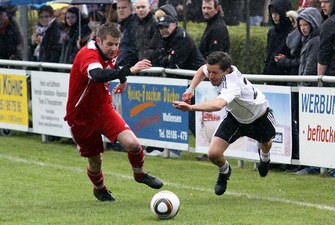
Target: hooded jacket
<point>310,43</point>
<point>276,37</point>
<point>326,54</point>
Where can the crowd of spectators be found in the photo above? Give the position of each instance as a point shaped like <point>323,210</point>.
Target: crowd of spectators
<point>299,41</point>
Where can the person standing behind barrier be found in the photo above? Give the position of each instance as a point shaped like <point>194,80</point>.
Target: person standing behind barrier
<point>46,41</point>
<point>326,54</point>
<point>309,23</point>
<point>276,37</point>
<point>127,20</point>
<point>71,42</point>
<point>90,113</point>
<point>215,36</point>
<point>11,38</point>
<point>146,29</point>
<point>248,114</point>
<point>46,38</point>
<point>179,50</point>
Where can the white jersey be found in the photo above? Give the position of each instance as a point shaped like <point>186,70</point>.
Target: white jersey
<point>245,102</point>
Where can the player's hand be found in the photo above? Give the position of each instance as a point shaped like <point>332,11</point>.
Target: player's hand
<point>118,89</point>
<point>140,65</point>
<point>187,96</point>
<point>183,106</point>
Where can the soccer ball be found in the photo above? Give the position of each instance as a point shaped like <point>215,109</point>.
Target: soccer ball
<point>165,205</point>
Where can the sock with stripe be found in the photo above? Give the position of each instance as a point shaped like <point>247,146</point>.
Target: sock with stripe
<point>137,160</point>
<point>97,180</point>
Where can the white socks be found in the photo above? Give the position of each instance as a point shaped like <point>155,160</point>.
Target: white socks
<point>225,168</point>
<point>265,157</point>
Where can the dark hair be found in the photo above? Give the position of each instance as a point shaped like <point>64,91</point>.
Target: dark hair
<point>46,8</point>
<point>111,29</point>
<point>219,58</point>
<point>216,5</point>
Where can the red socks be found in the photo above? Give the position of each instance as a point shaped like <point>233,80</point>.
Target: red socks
<point>137,160</point>
<point>97,179</point>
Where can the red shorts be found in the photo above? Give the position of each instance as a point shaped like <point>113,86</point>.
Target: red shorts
<point>88,135</point>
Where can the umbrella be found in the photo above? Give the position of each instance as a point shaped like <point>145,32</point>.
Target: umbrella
<point>21,2</point>
<point>78,2</point>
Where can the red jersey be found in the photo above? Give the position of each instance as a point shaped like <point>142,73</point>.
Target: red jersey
<point>87,98</point>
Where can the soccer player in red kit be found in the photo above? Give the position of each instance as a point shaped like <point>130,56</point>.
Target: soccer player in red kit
<point>89,110</point>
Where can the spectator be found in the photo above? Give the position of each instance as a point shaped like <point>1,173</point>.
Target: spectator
<point>290,63</point>
<point>11,38</point>
<point>146,29</point>
<point>326,54</point>
<point>46,41</point>
<point>215,36</point>
<point>46,38</point>
<point>178,51</point>
<point>70,37</point>
<point>276,36</point>
<point>309,24</point>
<point>127,21</point>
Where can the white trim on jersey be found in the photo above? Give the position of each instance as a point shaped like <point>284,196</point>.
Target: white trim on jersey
<point>245,102</point>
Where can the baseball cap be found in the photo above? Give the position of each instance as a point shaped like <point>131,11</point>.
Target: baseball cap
<point>165,20</point>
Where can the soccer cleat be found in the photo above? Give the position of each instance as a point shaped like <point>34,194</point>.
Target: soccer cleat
<point>104,196</point>
<point>263,168</point>
<point>221,183</point>
<point>151,181</point>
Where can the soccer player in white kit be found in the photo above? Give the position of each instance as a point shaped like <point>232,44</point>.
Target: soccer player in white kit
<point>248,113</point>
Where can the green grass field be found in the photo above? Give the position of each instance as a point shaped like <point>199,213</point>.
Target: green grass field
<point>45,183</point>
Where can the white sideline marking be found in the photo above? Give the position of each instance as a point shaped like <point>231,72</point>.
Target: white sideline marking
<point>127,177</point>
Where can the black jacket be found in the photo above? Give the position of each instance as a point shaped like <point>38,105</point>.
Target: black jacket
<point>145,31</point>
<point>128,52</point>
<point>215,36</point>
<point>326,54</point>
<point>50,46</point>
<point>11,42</point>
<point>179,51</point>
<point>276,37</point>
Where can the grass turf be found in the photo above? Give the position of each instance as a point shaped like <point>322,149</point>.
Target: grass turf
<point>45,183</point>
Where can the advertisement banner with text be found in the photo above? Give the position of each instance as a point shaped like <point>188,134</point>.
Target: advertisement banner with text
<point>14,100</point>
<point>246,148</point>
<point>49,96</point>
<point>147,109</point>
<point>317,126</point>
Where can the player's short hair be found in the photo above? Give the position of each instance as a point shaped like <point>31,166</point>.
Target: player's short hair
<point>112,29</point>
<point>219,58</point>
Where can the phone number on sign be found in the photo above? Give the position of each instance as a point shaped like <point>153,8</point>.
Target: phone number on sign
<point>172,134</point>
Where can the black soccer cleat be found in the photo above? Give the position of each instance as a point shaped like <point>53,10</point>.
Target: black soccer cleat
<point>263,168</point>
<point>104,196</point>
<point>151,181</point>
<point>221,183</point>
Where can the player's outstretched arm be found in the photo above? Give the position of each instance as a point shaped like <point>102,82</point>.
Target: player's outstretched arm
<point>209,106</point>
<point>198,77</point>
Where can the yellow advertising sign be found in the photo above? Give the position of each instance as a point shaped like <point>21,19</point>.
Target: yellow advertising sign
<point>13,99</point>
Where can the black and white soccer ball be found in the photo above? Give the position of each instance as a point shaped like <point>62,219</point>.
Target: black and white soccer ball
<point>165,205</point>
